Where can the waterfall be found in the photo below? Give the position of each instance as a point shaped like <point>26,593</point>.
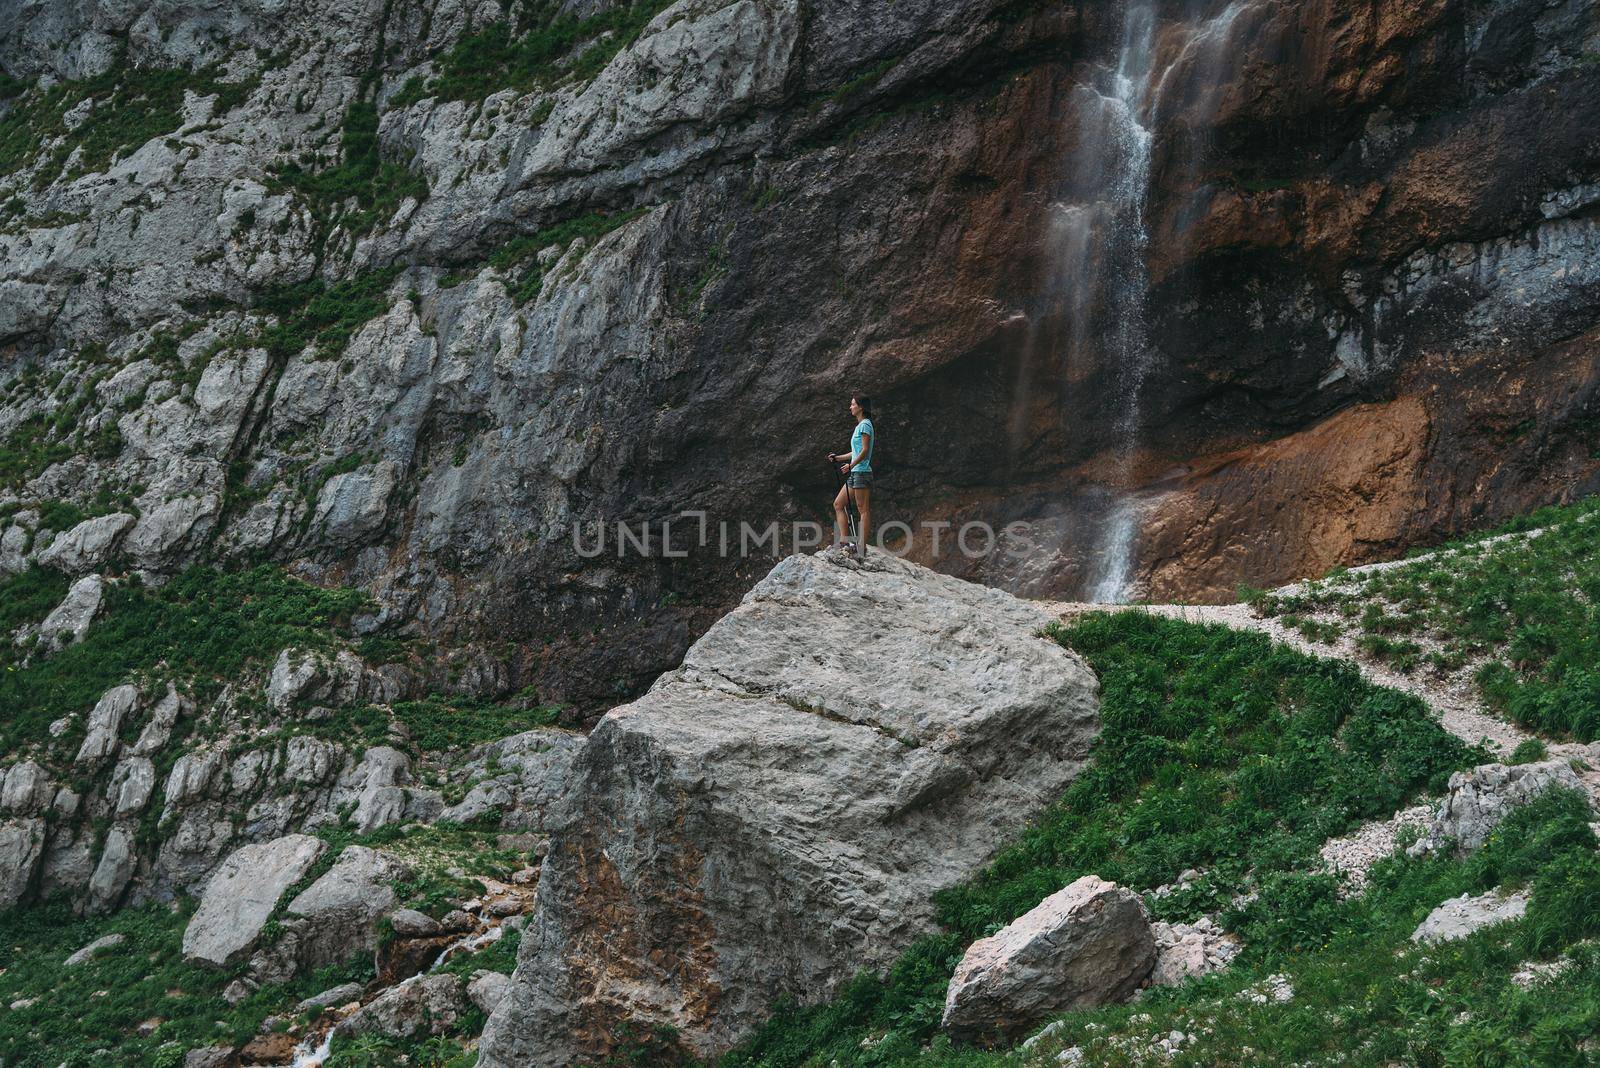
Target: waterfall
<point>1103,250</point>
<point>1101,238</point>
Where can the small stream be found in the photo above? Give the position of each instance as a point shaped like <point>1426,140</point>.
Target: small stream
<point>489,926</point>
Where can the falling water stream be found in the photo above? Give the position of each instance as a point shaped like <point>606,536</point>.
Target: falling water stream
<point>1101,238</point>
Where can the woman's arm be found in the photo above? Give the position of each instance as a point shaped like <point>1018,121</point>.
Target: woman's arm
<point>866,447</point>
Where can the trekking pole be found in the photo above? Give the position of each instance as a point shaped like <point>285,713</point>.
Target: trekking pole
<point>852,517</point>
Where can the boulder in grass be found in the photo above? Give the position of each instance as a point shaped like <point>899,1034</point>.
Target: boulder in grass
<point>778,813</point>
<point>1480,798</point>
<point>241,896</point>
<point>1465,915</point>
<point>1085,945</point>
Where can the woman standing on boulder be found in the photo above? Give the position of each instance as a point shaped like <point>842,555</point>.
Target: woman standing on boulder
<point>858,476</point>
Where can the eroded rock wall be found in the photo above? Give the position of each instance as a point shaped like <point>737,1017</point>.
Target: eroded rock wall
<point>1372,292</point>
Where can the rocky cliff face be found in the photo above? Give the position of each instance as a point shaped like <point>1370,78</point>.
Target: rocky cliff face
<point>397,292</point>
<point>778,813</point>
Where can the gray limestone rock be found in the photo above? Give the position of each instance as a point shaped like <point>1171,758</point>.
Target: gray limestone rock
<point>1087,944</point>
<point>341,910</point>
<point>69,621</point>
<point>28,789</point>
<point>780,811</point>
<point>132,782</point>
<point>94,949</point>
<point>163,717</point>
<point>21,843</point>
<point>342,994</point>
<point>242,894</point>
<point>1461,916</point>
<point>431,1005</point>
<point>352,506</point>
<point>486,989</point>
<point>1479,799</point>
<point>520,778</point>
<point>105,721</point>
<point>88,545</point>
<point>118,859</point>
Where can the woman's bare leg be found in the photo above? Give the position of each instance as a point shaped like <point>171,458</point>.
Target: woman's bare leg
<point>841,522</point>
<point>864,506</point>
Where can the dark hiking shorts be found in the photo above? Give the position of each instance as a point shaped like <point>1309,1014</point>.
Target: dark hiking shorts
<point>859,480</point>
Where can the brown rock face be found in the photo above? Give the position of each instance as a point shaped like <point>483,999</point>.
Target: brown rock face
<point>1076,309</point>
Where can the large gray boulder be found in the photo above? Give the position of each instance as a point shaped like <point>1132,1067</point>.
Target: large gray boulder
<point>433,1004</point>
<point>241,895</point>
<point>777,814</point>
<point>336,917</point>
<point>27,790</point>
<point>21,842</point>
<point>1087,944</point>
<point>69,621</point>
<point>86,546</point>
<point>1480,798</point>
<point>105,721</point>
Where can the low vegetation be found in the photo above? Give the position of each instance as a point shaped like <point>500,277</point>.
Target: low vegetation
<point>57,429</point>
<point>137,1003</point>
<point>1219,751</point>
<point>112,113</point>
<point>362,189</point>
<point>140,1004</point>
<point>538,48</point>
<point>518,259</point>
<point>203,627</point>
<point>1364,994</point>
<point>1518,606</point>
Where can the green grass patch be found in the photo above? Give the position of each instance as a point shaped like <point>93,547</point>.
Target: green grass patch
<point>313,313</point>
<point>90,1013</point>
<point>544,48</point>
<point>362,189</point>
<point>204,625</point>
<point>130,106</point>
<point>1218,751</point>
<point>438,723</point>
<point>1526,608</point>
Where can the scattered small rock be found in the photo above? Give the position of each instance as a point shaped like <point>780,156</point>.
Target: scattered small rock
<point>1274,988</point>
<point>88,952</point>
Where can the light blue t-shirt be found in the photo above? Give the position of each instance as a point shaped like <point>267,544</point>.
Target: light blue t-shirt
<point>863,429</point>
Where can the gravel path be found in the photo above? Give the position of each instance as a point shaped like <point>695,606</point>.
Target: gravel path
<point>1454,699</point>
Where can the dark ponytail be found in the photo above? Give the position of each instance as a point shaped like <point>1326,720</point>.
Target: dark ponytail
<point>865,402</point>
